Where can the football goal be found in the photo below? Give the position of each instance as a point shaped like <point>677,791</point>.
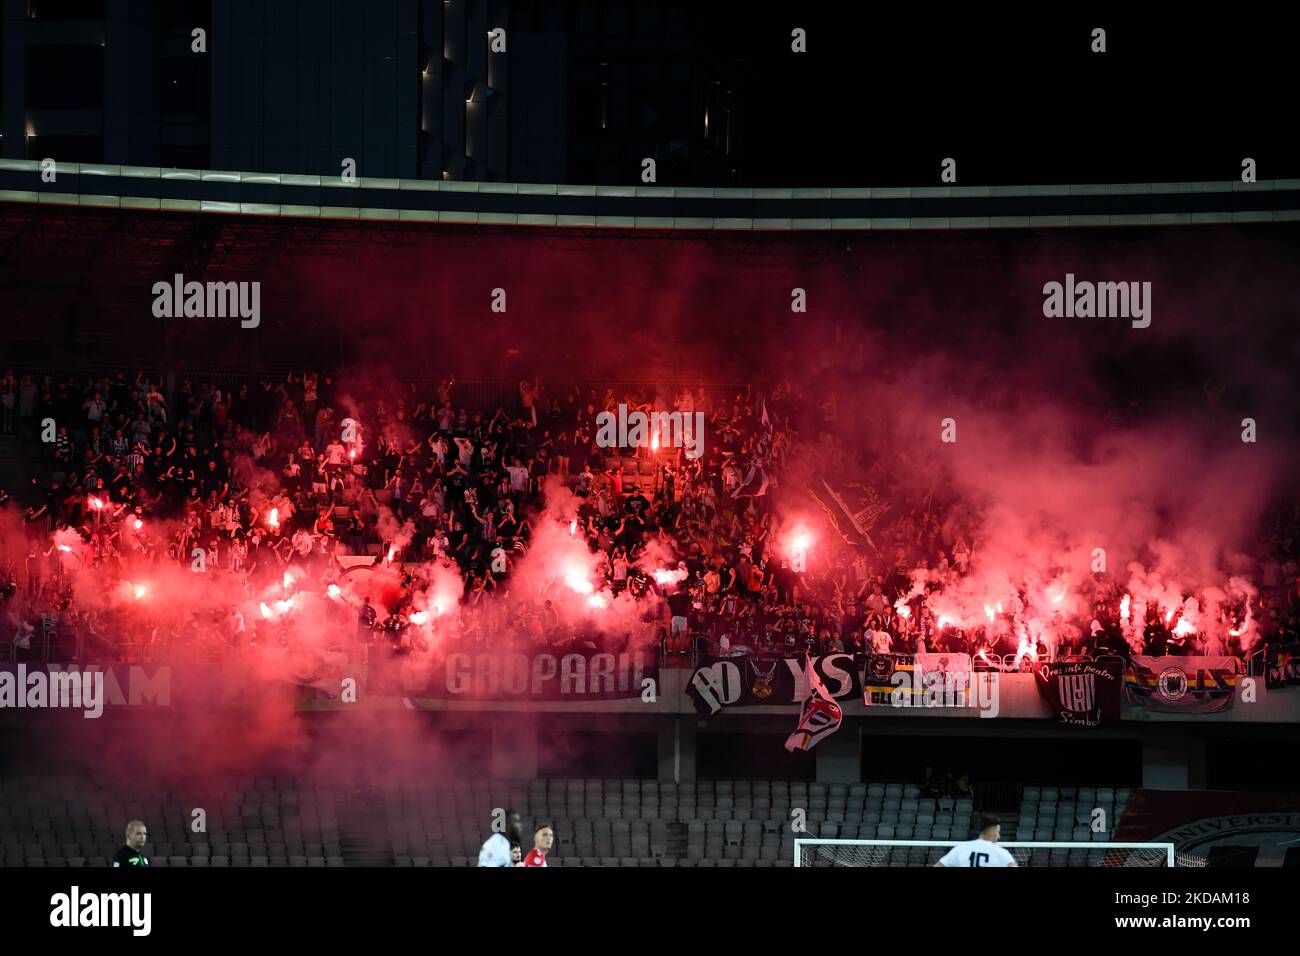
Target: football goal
<point>924,852</point>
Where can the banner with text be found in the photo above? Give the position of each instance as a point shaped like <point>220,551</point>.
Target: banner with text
<point>93,689</point>
<point>744,681</point>
<point>575,676</point>
<point>1081,693</point>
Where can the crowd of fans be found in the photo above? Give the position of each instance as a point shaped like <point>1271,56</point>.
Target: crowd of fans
<point>276,473</point>
<point>855,607</point>
<point>270,475</point>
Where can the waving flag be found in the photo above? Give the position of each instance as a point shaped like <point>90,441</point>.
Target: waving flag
<point>860,516</point>
<point>1283,667</point>
<point>755,483</point>
<point>821,715</point>
<point>323,670</point>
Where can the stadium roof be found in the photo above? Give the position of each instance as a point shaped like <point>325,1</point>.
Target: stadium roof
<point>295,195</point>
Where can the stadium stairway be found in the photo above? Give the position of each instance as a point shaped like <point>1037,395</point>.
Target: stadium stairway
<point>363,830</point>
<point>677,839</point>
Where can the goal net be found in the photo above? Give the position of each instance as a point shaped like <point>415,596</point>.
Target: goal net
<point>925,852</point>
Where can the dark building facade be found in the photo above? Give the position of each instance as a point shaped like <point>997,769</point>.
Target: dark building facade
<point>416,89</point>
<point>719,94</point>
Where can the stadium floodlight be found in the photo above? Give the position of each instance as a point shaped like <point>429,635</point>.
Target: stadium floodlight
<point>813,852</point>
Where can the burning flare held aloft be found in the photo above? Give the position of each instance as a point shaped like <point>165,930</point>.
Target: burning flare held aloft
<point>1035,608</point>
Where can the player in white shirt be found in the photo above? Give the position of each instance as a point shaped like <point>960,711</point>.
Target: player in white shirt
<point>983,851</point>
<point>497,848</point>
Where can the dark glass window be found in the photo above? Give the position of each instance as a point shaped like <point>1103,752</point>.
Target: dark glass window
<point>65,76</point>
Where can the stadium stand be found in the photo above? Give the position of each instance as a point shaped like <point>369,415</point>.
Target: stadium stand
<point>265,821</point>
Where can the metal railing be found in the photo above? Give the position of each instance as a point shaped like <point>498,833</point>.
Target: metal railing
<point>49,646</point>
<point>980,662</point>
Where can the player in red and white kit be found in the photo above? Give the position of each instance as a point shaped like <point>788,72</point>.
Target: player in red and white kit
<point>543,840</point>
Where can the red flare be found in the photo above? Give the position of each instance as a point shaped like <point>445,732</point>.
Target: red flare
<point>665,576</point>
<point>579,584</point>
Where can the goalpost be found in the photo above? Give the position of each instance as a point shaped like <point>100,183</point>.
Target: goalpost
<point>924,852</point>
